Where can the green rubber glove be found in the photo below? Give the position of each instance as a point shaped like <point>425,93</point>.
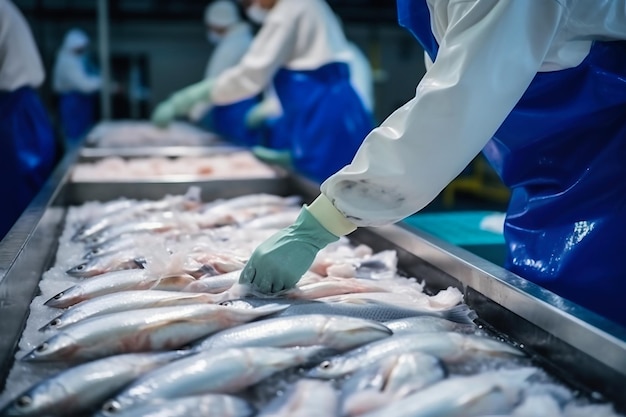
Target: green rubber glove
<point>272,156</point>
<point>279,262</point>
<point>180,103</point>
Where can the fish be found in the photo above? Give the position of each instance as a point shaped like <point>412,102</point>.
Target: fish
<point>132,279</point>
<point>226,371</point>
<point>124,301</point>
<point>85,387</point>
<point>388,380</point>
<point>430,324</point>
<point>109,234</point>
<point>151,329</point>
<point>103,264</point>
<point>306,398</point>
<point>337,332</point>
<point>214,284</point>
<point>367,310</point>
<point>448,346</point>
<point>489,393</point>
<point>208,405</point>
<point>329,287</point>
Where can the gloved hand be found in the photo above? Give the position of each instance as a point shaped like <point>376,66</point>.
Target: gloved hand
<point>181,102</point>
<point>279,262</point>
<point>256,116</point>
<point>272,156</point>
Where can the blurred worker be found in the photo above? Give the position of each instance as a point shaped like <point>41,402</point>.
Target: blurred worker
<point>77,85</point>
<point>541,86</point>
<point>232,37</point>
<point>298,48</point>
<point>28,148</point>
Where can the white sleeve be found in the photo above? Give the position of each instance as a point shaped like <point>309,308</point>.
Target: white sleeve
<point>226,55</point>
<point>270,50</point>
<point>487,58</point>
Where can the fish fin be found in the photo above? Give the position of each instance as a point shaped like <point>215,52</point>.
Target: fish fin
<point>460,314</point>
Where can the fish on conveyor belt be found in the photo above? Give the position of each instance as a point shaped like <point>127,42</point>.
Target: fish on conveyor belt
<point>337,332</point>
<point>368,310</point>
<point>489,393</point>
<point>151,329</point>
<point>450,347</point>
<point>132,279</point>
<point>214,284</point>
<point>208,405</point>
<point>227,371</point>
<point>429,324</point>
<point>388,380</point>
<point>307,398</point>
<point>104,264</point>
<point>85,387</point>
<point>125,301</point>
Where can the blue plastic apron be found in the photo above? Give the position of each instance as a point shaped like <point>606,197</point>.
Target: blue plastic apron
<point>229,121</point>
<point>77,113</point>
<point>28,152</point>
<point>324,118</point>
<point>562,151</point>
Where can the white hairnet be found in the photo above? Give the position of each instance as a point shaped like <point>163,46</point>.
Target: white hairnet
<point>75,39</point>
<point>221,13</point>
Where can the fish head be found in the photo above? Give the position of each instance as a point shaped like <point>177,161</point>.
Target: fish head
<point>485,345</point>
<point>39,400</point>
<point>241,304</point>
<point>349,332</point>
<point>84,269</point>
<point>66,298</point>
<point>54,324</point>
<point>59,346</point>
<point>333,368</point>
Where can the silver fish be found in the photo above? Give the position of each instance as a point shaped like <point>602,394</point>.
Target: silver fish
<point>448,346</point>
<point>104,264</point>
<point>429,324</point>
<point>337,332</point>
<point>307,398</point>
<point>124,301</point>
<point>85,387</point>
<point>208,405</point>
<point>483,394</point>
<point>214,284</point>
<point>388,380</point>
<point>226,371</point>
<point>132,279</point>
<point>367,310</point>
<point>151,329</point>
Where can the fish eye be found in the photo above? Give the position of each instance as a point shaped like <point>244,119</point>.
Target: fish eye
<point>58,296</point>
<point>111,406</point>
<point>55,322</point>
<point>95,251</point>
<point>226,303</point>
<point>42,347</point>
<point>23,401</point>
<point>326,365</point>
<point>80,267</point>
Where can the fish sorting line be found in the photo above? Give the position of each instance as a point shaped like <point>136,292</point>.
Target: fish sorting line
<point>142,315</point>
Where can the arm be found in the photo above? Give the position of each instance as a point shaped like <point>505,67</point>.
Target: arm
<point>270,49</point>
<point>78,77</point>
<point>488,56</point>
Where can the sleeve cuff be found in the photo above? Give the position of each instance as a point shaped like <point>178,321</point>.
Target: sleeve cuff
<point>329,217</point>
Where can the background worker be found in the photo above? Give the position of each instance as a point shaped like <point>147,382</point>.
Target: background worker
<point>540,87</point>
<point>77,83</point>
<point>299,49</point>
<point>28,145</point>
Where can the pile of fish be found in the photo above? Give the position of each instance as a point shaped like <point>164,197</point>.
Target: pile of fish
<point>142,315</point>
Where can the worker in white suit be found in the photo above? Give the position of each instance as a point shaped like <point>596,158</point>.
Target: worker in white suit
<point>540,87</point>
<point>77,84</point>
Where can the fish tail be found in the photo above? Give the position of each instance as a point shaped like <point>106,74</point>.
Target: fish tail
<point>460,314</point>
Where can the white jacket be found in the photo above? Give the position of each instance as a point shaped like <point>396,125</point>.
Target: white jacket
<point>297,35</point>
<point>229,51</point>
<point>20,63</point>
<point>489,52</point>
<point>70,74</point>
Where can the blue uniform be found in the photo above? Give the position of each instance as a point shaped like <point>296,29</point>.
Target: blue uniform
<point>28,152</point>
<point>561,151</point>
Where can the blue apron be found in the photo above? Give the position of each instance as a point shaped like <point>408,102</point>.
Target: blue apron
<point>28,152</point>
<point>561,150</point>
<point>77,113</point>
<point>229,121</point>
<point>323,118</point>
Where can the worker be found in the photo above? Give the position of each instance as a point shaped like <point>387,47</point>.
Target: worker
<point>28,143</point>
<point>540,87</point>
<point>232,37</point>
<point>298,48</point>
<point>77,83</point>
